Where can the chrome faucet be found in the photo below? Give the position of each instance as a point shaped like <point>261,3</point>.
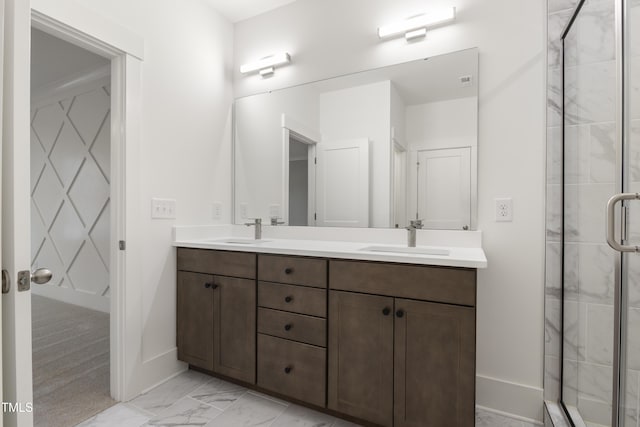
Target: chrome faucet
<point>414,224</point>
<point>258,224</point>
<point>274,221</point>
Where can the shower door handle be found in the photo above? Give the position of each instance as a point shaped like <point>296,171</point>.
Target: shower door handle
<point>611,222</point>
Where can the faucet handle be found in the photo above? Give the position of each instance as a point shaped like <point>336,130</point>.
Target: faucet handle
<point>274,220</point>
<point>416,223</point>
<point>256,221</point>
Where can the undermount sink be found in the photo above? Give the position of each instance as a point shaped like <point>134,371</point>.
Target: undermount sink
<point>407,250</point>
<point>241,241</point>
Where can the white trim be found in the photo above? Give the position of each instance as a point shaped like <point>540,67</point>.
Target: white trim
<point>75,23</point>
<point>126,88</point>
<point>72,85</point>
<point>518,400</point>
<point>301,129</point>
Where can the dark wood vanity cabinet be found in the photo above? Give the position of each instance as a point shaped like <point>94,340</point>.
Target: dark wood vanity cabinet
<point>395,360</point>
<point>390,344</point>
<point>216,313</point>
<point>292,327</point>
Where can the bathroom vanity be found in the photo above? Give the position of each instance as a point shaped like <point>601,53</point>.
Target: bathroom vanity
<point>363,335</point>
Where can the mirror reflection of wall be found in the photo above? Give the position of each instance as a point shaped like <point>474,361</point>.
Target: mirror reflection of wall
<point>370,149</point>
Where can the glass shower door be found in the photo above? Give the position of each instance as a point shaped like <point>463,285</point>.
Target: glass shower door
<point>590,266</point>
<point>630,268</point>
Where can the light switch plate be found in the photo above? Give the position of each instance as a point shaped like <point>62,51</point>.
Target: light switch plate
<point>163,208</point>
<point>244,210</point>
<point>504,210</point>
<point>217,211</point>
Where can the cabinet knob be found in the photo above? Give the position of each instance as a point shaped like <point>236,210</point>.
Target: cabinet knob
<point>288,299</point>
<point>288,369</point>
<point>214,286</point>
<point>208,285</point>
<point>288,327</point>
<point>288,270</point>
<point>400,313</point>
<point>386,311</point>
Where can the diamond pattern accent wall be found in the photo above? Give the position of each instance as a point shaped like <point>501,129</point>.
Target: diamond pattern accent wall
<point>70,161</point>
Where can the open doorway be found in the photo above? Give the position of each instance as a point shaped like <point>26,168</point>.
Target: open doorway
<point>70,230</point>
<point>301,164</point>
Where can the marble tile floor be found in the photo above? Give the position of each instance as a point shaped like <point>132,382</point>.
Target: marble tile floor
<point>195,399</point>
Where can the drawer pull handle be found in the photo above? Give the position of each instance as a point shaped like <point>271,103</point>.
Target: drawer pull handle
<point>288,327</point>
<point>288,299</point>
<point>400,313</point>
<point>386,311</point>
<point>288,270</point>
<point>288,369</point>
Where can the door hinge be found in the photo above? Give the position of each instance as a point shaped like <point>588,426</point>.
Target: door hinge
<point>122,245</point>
<point>315,160</point>
<point>6,282</point>
<point>315,216</point>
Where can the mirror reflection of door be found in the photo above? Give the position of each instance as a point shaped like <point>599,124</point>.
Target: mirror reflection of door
<point>444,188</point>
<point>301,165</point>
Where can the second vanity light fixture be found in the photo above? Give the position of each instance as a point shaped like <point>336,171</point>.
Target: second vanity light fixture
<point>416,26</point>
<point>266,66</point>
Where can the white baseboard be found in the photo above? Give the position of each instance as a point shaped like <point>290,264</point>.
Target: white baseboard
<point>70,296</point>
<point>518,401</point>
<point>161,368</point>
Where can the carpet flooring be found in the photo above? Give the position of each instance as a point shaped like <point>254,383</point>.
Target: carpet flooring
<point>70,363</point>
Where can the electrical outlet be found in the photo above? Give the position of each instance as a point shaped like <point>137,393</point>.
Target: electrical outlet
<point>274,211</point>
<point>163,208</point>
<point>244,210</point>
<point>504,210</point>
<point>217,211</point>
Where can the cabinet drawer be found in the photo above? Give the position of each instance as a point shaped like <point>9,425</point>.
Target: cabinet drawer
<point>296,270</point>
<point>439,284</point>
<point>223,263</point>
<point>297,299</point>
<point>297,327</point>
<point>292,369</point>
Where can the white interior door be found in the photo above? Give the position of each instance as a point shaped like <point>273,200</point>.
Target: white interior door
<point>444,188</point>
<point>16,304</point>
<point>343,183</point>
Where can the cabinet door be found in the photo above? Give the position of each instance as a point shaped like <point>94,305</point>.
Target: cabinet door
<point>195,319</point>
<point>361,356</point>
<point>434,364</point>
<point>235,328</point>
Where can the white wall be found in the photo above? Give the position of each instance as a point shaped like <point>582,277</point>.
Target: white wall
<point>364,112</point>
<point>185,147</point>
<point>70,201</point>
<point>443,124</point>
<point>510,37</point>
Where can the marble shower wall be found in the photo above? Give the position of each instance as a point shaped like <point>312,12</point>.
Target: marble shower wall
<point>590,104</point>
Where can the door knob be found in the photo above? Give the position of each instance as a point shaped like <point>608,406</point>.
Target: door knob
<point>41,276</point>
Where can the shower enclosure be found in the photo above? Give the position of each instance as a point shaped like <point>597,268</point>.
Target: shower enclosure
<point>601,214</point>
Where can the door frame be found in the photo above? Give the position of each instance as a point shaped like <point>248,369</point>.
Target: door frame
<point>125,50</point>
<point>305,135</point>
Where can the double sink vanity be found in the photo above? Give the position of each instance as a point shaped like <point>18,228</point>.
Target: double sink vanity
<point>334,305</point>
<point>380,334</point>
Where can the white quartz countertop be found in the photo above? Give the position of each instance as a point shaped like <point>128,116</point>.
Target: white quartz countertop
<point>466,257</point>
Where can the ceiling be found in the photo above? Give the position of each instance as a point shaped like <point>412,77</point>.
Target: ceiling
<point>239,10</point>
<point>53,59</point>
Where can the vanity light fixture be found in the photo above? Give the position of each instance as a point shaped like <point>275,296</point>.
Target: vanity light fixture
<point>266,66</point>
<point>416,26</point>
